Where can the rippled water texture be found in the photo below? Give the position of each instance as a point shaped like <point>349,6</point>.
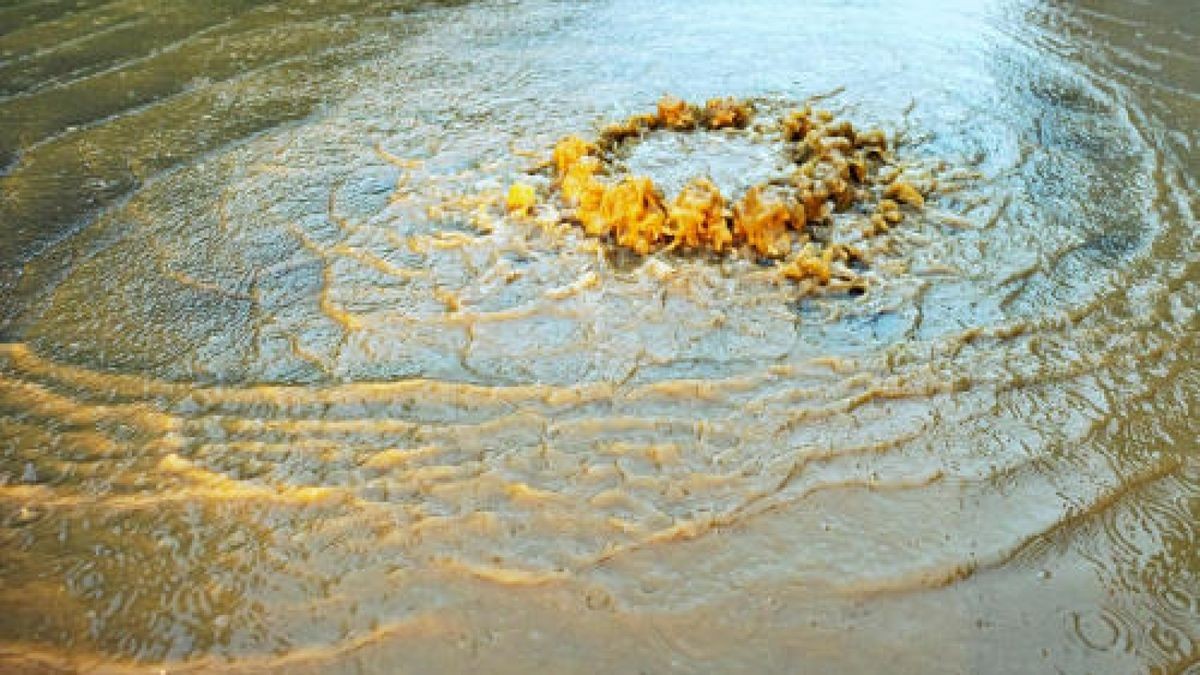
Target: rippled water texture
<point>279,390</point>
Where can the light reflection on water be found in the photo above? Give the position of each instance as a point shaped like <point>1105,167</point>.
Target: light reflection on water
<point>268,400</point>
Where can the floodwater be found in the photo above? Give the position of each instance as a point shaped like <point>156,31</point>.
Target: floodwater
<point>280,391</point>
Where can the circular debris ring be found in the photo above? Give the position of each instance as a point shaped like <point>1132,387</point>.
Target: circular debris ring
<point>834,167</point>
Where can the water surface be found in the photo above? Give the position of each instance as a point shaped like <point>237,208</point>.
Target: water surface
<point>280,391</point>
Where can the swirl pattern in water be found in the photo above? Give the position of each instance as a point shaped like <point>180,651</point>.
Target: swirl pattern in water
<point>282,389</point>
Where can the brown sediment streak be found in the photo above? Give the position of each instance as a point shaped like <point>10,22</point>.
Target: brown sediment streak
<point>812,454</point>
<point>919,580</point>
<point>39,494</point>
<point>396,161</point>
<point>282,396</point>
<point>764,503</point>
<point>524,493</point>
<point>21,358</point>
<point>392,458</point>
<point>349,321</point>
<point>375,456</point>
<point>588,281</point>
<point>24,360</point>
<point>1106,501</point>
<point>946,576</point>
<point>905,390</point>
<point>662,452</point>
<point>301,428</point>
<point>694,529</point>
<point>503,399</point>
<point>1068,318</point>
<point>307,356</point>
<point>94,443</point>
<point>489,428</point>
<point>695,390</point>
<point>451,240</point>
<point>431,477</point>
<point>466,317</point>
<point>623,422</point>
<point>481,520</point>
<point>1003,376</point>
<point>870,396</point>
<point>417,390</point>
<point>204,286</point>
<point>32,655</point>
<point>776,400</point>
<point>377,263</point>
<point>211,490</point>
<point>502,576</point>
<point>38,401</point>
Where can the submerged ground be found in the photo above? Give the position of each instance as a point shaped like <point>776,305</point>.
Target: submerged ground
<point>276,395</point>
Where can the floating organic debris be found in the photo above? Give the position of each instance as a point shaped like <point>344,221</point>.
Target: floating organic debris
<point>676,114</point>
<point>696,219</point>
<point>634,210</point>
<point>721,113</point>
<point>836,168</point>
<point>569,151</point>
<point>762,218</point>
<point>521,198</point>
<point>905,192</point>
<point>811,263</point>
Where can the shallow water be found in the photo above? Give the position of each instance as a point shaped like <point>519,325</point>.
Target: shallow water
<point>273,396</point>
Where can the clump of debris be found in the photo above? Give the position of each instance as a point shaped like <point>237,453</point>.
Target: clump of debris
<point>832,168</point>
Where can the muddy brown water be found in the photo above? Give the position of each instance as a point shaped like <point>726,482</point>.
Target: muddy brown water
<point>272,398</point>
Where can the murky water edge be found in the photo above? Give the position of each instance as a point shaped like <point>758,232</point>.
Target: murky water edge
<point>278,393</point>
